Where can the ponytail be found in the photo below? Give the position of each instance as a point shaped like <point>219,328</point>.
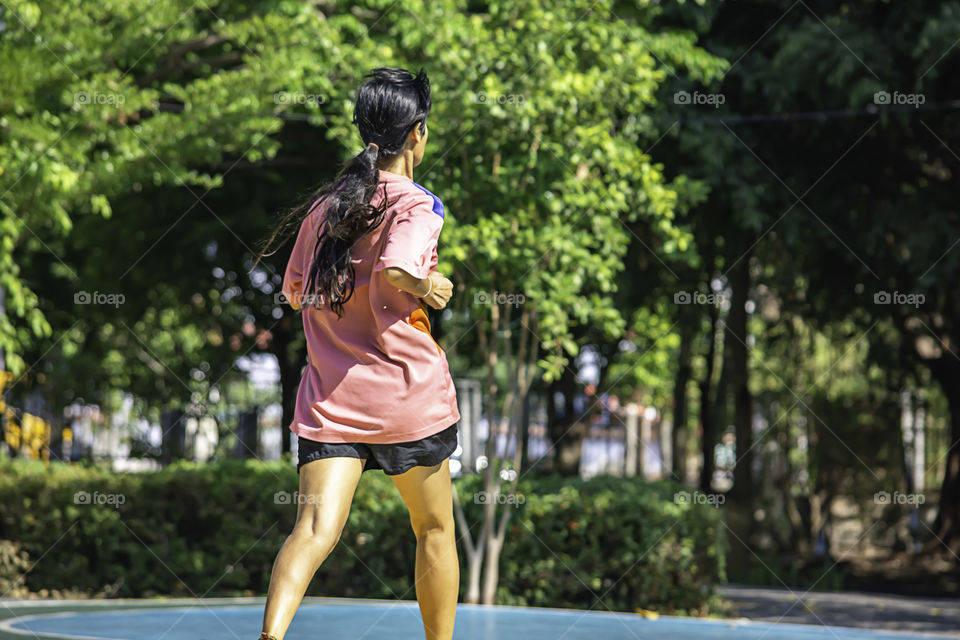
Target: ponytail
<point>349,216</point>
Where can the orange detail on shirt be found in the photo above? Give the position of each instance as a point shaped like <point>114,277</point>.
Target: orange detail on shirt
<point>420,321</point>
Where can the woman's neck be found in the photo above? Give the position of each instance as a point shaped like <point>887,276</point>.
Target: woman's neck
<point>401,164</point>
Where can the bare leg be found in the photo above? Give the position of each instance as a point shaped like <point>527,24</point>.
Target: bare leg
<point>428,496</point>
<point>326,492</point>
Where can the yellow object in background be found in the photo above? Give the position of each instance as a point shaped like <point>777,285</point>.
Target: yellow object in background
<point>12,433</point>
<point>35,436</point>
<point>649,615</point>
<point>31,436</point>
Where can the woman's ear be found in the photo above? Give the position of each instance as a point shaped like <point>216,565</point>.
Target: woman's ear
<point>415,135</point>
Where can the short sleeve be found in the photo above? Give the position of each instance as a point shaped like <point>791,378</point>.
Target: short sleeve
<point>302,251</point>
<point>412,239</point>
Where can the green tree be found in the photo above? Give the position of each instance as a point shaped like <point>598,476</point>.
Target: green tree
<point>140,123</point>
<point>830,165</point>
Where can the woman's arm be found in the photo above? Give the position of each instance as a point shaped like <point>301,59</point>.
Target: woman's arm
<point>435,289</point>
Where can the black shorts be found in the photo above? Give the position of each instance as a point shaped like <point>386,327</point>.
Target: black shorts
<point>393,459</point>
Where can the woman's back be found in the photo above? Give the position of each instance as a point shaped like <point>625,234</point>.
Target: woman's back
<point>375,374</point>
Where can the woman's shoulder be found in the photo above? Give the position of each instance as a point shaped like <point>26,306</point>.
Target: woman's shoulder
<point>435,204</point>
<point>408,196</point>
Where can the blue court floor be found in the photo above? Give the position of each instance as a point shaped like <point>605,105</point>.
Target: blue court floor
<point>330,618</point>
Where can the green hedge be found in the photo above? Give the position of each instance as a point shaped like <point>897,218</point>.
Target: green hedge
<point>215,529</point>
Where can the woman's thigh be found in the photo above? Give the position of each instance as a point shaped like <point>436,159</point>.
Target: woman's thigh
<point>427,492</point>
<point>326,493</point>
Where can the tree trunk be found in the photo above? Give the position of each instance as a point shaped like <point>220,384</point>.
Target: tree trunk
<point>920,440</point>
<point>631,455</point>
<point>291,367</point>
<point>248,434</point>
<point>739,382</point>
<point>566,431</point>
<point>474,550</point>
<point>4,379</point>
<point>173,440</point>
<point>474,568</point>
<point>491,573</point>
<point>3,355</point>
<point>946,370</point>
<point>708,427</point>
<point>678,465</point>
<point>525,433</point>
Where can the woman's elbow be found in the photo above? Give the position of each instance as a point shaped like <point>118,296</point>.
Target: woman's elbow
<point>394,275</point>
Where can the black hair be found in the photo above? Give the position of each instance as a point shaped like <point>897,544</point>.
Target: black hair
<point>387,106</point>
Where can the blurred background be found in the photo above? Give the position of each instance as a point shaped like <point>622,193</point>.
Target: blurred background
<point>705,327</point>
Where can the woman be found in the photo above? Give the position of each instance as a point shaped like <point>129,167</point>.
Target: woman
<point>377,392</point>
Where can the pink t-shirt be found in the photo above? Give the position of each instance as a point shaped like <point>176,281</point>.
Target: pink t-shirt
<point>376,375</point>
